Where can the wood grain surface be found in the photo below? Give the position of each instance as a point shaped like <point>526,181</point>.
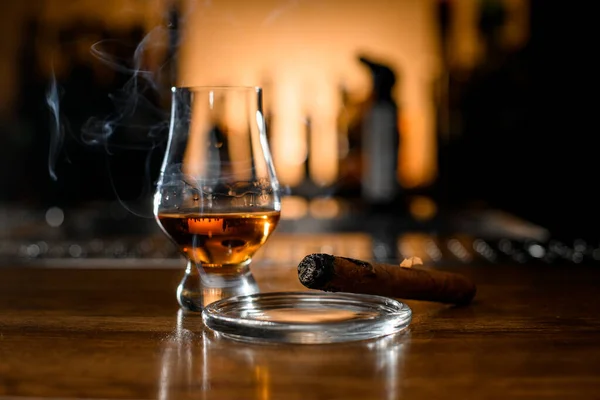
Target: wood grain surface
<point>532,333</point>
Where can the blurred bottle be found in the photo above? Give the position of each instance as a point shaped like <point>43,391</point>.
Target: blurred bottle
<point>308,188</point>
<point>349,150</point>
<point>380,139</point>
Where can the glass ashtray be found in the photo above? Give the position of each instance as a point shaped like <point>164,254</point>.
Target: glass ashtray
<point>306,317</point>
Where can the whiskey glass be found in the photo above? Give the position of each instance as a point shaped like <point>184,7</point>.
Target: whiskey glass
<point>217,196</point>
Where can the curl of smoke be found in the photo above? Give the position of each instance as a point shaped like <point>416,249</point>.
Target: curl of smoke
<point>141,93</point>
<point>139,120</point>
<point>57,131</point>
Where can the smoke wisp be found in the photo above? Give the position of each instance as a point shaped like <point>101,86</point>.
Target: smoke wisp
<point>57,131</point>
<point>136,120</point>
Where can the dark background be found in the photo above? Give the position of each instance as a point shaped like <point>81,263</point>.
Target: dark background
<point>529,138</point>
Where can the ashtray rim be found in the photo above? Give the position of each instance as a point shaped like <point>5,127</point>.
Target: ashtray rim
<point>391,316</point>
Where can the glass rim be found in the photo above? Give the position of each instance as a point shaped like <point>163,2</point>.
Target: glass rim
<point>198,88</point>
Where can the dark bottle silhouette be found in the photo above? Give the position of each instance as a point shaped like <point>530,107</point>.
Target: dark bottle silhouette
<point>380,139</point>
<point>348,131</point>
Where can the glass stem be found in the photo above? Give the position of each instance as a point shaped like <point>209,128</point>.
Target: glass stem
<point>198,288</point>
<point>189,291</point>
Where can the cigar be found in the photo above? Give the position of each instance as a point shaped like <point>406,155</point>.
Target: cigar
<point>341,274</point>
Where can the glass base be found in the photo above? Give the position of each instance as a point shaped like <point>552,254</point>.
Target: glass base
<point>306,317</point>
<point>203,286</point>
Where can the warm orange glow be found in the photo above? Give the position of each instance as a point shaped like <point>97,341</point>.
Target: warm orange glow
<point>422,208</point>
<point>288,132</point>
<point>300,51</point>
<point>306,50</point>
<point>263,382</point>
<point>206,225</point>
<point>236,120</point>
<point>323,166</point>
<point>325,208</point>
<point>413,245</point>
<point>266,231</point>
<point>293,207</point>
<point>196,151</point>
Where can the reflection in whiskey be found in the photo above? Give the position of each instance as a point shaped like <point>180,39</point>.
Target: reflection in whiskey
<point>216,240</point>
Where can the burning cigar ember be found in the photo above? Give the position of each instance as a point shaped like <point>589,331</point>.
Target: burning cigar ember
<point>341,274</point>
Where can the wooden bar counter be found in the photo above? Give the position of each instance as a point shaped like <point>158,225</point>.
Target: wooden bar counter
<point>75,333</point>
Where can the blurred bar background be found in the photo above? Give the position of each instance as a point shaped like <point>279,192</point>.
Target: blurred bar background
<point>490,153</point>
